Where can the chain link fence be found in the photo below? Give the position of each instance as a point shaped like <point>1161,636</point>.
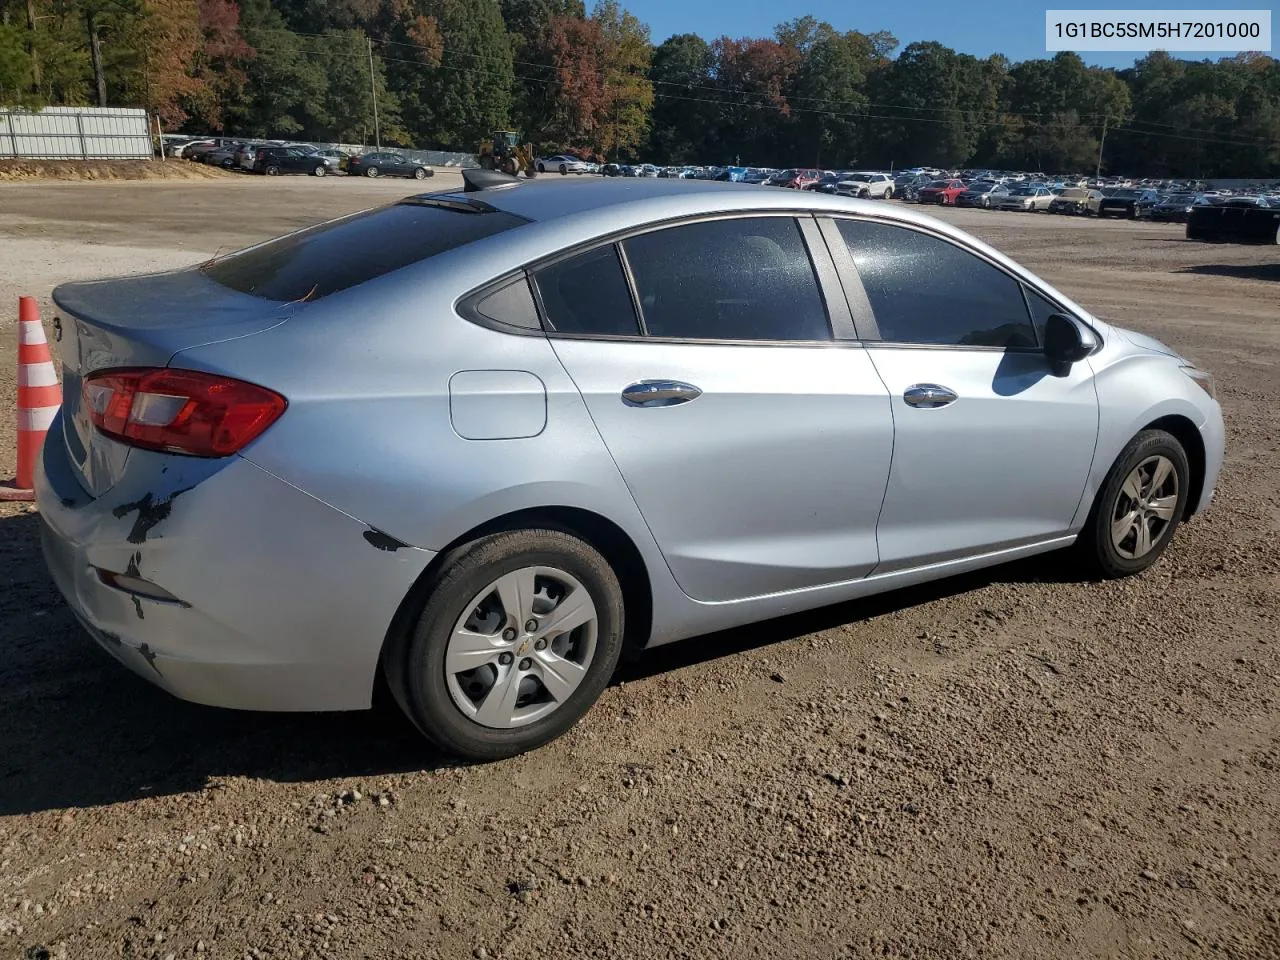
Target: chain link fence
<point>76,133</point>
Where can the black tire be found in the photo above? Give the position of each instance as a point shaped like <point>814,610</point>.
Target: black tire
<point>371,172</point>
<point>320,170</point>
<point>541,169</point>
<point>1095,543</point>
<point>415,669</point>
<point>421,173</point>
<point>564,170</point>
<point>272,170</point>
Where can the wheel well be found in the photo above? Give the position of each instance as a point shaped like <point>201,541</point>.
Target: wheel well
<point>606,536</point>
<point>1186,434</point>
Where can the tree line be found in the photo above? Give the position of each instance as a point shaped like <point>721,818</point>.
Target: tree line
<point>445,73</point>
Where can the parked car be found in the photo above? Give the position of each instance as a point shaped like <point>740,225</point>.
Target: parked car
<point>1122,202</point>
<point>247,153</point>
<point>1024,198</point>
<point>387,164</point>
<point>1077,200</point>
<point>223,156</point>
<point>1147,201</point>
<point>646,170</point>
<point>941,191</point>
<point>336,159</point>
<point>800,179</point>
<point>564,447</point>
<point>561,163</point>
<point>1176,207</point>
<point>870,185</point>
<point>981,194</point>
<point>274,161</point>
<point>197,149</point>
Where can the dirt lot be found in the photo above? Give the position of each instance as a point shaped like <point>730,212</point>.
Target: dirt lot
<point>1013,764</point>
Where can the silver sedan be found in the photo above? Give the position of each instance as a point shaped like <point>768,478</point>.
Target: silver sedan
<point>1026,199</point>
<point>481,442</point>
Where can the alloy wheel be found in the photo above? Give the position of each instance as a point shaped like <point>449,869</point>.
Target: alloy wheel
<point>1144,508</point>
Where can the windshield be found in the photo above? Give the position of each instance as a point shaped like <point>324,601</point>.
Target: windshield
<point>1022,191</point>
<point>1124,195</point>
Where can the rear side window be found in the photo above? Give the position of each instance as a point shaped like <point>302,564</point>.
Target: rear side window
<point>747,278</point>
<point>334,256</point>
<point>927,290</point>
<point>588,294</point>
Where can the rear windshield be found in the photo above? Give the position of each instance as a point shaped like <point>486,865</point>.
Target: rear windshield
<point>334,256</point>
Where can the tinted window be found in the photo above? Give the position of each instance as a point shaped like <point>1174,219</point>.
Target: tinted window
<point>334,256</point>
<point>742,279</point>
<point>588,294</point>
<point>512,305</point>
<point>927,290</point>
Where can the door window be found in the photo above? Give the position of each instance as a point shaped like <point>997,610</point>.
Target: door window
<point>588,294</point>
<point>746,278</point>
<point>926,290</point>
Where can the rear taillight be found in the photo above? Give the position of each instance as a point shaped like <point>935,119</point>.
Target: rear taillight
<point>180,411</point>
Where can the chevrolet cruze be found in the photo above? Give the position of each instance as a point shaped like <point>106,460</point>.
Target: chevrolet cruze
<point>478,442</point>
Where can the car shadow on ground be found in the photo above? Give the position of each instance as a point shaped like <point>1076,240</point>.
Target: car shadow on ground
<point>78,730</point>
<point>1237,271</point>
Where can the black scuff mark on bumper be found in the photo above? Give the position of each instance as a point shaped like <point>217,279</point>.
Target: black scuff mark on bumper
<point>132,569</point>
<point>383,540</point>
<point>149,655</point>
<point>151,510</point>
<point>111,638</point>
<point>137,607</point>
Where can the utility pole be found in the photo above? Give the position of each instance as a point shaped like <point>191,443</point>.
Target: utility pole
<point>95,54</point>
<point>1097,173</point>
<point>373,86</point>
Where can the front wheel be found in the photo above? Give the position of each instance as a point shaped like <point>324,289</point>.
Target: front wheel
<point>564,170</point>
<point>420,173</point>
<point>272,170</point>
<point>320,170</point>
<point>1139,506</point>
<point>518,636</point>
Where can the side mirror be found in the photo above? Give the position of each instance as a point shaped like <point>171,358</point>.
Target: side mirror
<point>1067,341</point>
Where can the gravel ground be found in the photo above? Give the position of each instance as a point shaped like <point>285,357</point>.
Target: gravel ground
<point>1011,764</point>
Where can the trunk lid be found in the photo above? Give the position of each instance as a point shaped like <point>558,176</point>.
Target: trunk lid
<point>139,322</point>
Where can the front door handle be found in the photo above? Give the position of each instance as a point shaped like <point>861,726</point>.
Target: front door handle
<point>659,393</point>
<point>928,395</point>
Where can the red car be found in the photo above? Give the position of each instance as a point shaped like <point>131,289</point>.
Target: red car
<point>942,191</point>
<point>803,179</point>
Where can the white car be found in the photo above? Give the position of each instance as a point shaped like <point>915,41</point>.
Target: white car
<point>564,163</point>
<point>877,186</point>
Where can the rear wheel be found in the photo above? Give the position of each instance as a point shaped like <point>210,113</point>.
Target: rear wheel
<point>371,172</point>
<point>518,637</point>
<point>272,170</point>
<point>564,170</point>
<point>1139,506</point>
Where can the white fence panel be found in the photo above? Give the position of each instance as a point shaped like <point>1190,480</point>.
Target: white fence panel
<point>76,133</point>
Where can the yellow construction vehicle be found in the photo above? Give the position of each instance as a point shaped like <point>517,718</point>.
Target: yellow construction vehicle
<point>504,151</point>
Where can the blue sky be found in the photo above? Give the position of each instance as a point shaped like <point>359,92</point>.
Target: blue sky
<point>980,27</point>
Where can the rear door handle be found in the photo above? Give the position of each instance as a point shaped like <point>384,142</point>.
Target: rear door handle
<point>659,393</point>
<point>928,395</point>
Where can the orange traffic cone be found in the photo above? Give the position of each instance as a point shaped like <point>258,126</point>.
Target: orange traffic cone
<point>39,396</point>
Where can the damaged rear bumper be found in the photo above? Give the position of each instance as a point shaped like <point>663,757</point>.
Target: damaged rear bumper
<point>250,593</point>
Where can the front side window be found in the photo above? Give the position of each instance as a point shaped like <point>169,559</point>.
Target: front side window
<point>926,290</point>
<point>747,278</point>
